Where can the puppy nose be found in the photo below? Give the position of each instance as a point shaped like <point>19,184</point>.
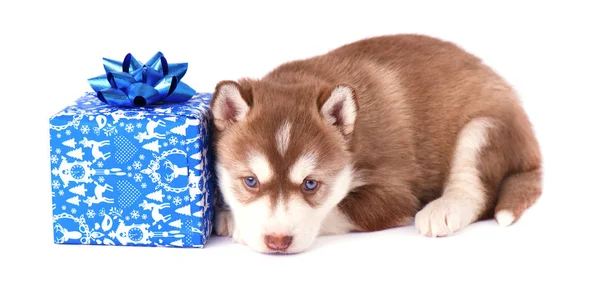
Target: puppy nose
<point>278,241</point>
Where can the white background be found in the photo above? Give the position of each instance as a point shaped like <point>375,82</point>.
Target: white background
<point>549,52</point>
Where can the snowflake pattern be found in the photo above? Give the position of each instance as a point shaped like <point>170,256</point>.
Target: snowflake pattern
<point>177,200</point>
<point>123,176</point>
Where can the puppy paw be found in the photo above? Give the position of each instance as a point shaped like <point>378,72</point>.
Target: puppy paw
<point>224,224</point>
<point>443,217</point>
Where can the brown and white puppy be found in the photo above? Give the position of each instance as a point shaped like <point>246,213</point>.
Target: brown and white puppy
<point>380,133</point>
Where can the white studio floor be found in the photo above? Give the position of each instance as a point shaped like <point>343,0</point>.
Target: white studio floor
<point>548,52</point>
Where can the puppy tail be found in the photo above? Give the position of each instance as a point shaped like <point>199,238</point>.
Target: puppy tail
<point>518,192</point>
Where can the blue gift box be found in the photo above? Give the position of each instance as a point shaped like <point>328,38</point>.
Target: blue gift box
<point>139,176</point>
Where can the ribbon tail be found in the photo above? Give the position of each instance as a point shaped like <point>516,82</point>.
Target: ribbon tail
<point>99,82</point>
<point>114,97</point>
<point>178,69</point>
<point>182,93</point>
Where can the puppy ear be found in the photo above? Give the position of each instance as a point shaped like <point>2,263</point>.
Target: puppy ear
<point>230,103</point>
<point>339,107</point>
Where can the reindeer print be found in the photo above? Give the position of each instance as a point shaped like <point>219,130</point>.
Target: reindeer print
<point>95,146</point>
<point>63,235</point>
<point>176,171</point>
<point>155,210</point>
<point>120,114</point>
<point>149,133</point>
<point>121,175</point>
<point>99,195</point>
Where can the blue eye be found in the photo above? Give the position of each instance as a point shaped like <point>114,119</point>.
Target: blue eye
<point>251,182</point>
<point>310,185</point>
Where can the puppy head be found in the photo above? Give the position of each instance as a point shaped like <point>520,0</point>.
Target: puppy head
<point>283,158</point>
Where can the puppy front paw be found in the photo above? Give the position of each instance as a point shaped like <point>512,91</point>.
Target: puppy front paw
<point>443,217</point>
<point>224,224</point>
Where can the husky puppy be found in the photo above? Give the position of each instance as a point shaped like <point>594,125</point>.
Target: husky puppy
<point>384,132</point>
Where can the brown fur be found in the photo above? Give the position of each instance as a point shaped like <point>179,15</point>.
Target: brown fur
<point>266,116</point>
<point>414,95</point>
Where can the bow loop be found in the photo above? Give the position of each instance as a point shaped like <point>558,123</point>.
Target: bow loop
<point>166,85</point>
<point>120,80</point>
<point>132,84</point>
<point>112,65</point>
<point>130,64</point>
<point>178,69</point>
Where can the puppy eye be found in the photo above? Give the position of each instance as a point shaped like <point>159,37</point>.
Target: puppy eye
<point>251,182</point>
<point>310,185</point>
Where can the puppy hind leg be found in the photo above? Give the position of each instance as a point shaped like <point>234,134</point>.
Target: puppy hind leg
<point>465,196</point>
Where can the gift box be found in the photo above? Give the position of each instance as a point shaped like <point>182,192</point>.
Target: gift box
<point>133,174</point>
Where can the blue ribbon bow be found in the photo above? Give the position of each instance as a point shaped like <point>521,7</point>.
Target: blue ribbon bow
<point>130,84</point>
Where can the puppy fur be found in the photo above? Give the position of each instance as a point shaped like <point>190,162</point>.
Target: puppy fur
<point>396,130</point>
